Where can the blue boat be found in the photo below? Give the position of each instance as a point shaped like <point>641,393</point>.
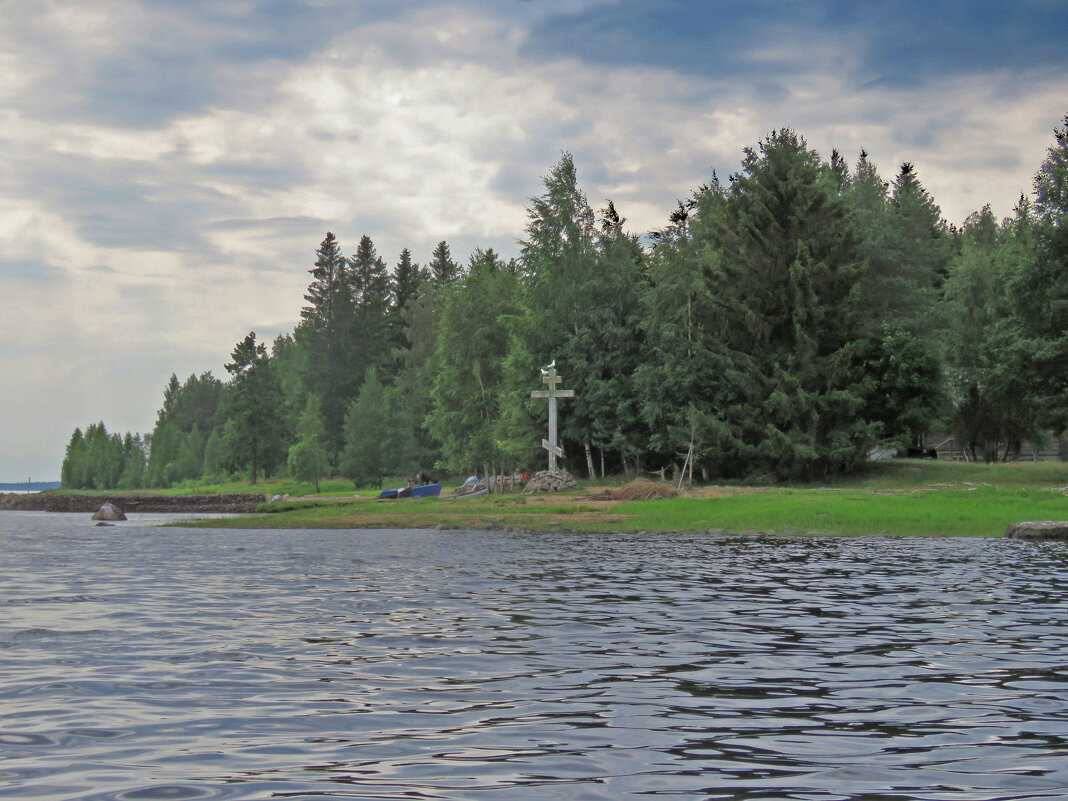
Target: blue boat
<point>421,491</point>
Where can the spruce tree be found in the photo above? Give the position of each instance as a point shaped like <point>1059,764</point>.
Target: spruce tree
<point>559,290</point>
<point>72,471</point>
<point>331,358</point>
<point>785,274</point>
<point>371,292</point>
<point>443,270</point>
<point>917,250</point>
<point>254,433</point>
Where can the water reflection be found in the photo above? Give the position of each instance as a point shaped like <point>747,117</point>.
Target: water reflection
<point>156,664</point>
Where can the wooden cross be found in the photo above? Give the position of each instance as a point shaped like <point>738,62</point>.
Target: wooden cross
<point>549,376</point>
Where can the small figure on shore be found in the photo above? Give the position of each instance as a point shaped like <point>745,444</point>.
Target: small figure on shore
<point>423,479</point>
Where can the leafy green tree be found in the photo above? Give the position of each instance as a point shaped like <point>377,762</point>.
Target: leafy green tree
<point>414,381</point>
<point>135,461</point>
<point>992,364</point>
<point>191,411</point>
<point>378,439</point>
<point>255,433</point>
<point>329,291</point>
<point>215,456</point>
<point>290,360</point>
<point>190,462</point>
<point>603,348</point>
<point>308,458</point>
<point>679,379</point>
<point>908,395</point>
<point>103,457</point>
<point>163,454</point>
<point>468,365</point>
<point>1040,287</point>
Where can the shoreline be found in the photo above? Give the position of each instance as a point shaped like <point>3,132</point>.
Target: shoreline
<point>239,503</point>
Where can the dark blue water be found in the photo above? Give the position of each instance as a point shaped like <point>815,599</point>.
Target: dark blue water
<point>141,663</point>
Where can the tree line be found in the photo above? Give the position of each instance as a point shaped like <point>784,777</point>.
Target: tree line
<point>778,326</point>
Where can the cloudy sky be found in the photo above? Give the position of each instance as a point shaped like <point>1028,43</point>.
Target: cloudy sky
<point>170,167</point>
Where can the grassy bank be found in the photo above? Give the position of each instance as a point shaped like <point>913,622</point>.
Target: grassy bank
<point>901,497</point>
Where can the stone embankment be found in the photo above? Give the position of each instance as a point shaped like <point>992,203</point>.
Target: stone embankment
<point>207,504</point>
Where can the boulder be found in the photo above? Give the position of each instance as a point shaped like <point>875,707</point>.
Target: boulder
<point>1038,530</point>
<point>109,511</point>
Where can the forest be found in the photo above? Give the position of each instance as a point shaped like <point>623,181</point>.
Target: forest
<point>779,327</point>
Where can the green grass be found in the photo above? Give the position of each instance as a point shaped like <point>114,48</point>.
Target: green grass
<point>983,511</point>
<point>918,473</point>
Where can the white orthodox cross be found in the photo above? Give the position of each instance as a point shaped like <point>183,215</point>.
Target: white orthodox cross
<point>550,377</point>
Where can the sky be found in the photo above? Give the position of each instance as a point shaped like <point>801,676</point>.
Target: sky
<point>169,168</point>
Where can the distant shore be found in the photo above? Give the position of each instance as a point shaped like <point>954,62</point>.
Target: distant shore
<point>28,486</point>
<point>132,502</point>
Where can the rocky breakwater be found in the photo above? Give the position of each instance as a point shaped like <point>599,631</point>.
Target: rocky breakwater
<point>132,502</point>
<point>1038,530</point>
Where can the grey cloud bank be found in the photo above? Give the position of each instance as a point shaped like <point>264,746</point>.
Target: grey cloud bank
<point>171,167</point>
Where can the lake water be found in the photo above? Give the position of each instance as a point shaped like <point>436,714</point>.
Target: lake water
<point>141,663</point>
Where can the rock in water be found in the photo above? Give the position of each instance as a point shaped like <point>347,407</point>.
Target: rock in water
<point>549,481</point>
<point>109,511</point>
<point>1038,530</point>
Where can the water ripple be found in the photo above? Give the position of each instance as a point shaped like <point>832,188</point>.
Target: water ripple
<point>181,664</point>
